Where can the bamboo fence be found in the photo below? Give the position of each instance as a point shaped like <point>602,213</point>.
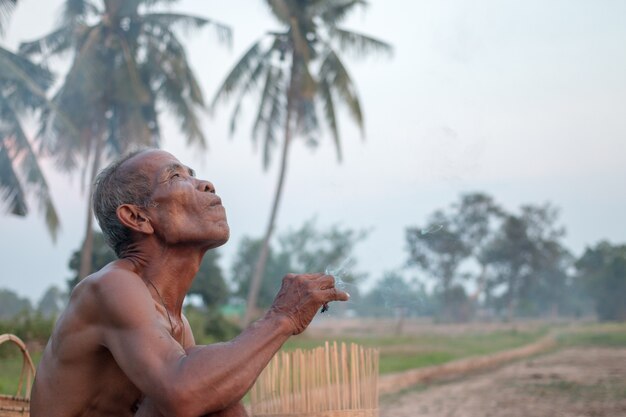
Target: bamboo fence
<point>329,381</point>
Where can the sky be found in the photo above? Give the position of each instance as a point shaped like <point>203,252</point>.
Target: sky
<point>523,100</point>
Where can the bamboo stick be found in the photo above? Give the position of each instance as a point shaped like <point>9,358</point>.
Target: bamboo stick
<point>337,381</point>
<point>329,379</point>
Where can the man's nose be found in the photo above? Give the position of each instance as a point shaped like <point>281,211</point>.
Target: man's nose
<point>206,186</point>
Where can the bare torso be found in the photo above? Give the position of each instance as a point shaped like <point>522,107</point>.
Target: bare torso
<point>78,376</point>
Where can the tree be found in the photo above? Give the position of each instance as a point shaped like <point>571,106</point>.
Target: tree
<point>528,263</point>
<point>310,249</point>
<point>393,296</point>
<point>517,260</point>
<point>449,239</point>
<point>22,91</point>
<point>302,249</point>
<point>438,249</point>
<point>602,270</point>
<point>12,304</point>
<point>301,71</point>
<point>209,282</point>
<point>101,254</point>
<point>476,217</point>
<point>127,62</point>
<point>242,270</point>
<point>52,302</point>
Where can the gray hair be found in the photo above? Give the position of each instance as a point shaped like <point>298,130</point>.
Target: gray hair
<point>112,188</point>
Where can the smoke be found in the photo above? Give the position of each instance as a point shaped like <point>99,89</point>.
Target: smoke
<point>432,229</point>
<point>341,273</point>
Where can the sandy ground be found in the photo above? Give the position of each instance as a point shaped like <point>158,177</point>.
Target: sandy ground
<point>589,382</point>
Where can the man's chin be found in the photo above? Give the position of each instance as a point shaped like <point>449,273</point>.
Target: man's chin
<point>217,242</point>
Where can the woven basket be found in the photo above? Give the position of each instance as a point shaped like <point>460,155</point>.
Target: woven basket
<point>18,405</point>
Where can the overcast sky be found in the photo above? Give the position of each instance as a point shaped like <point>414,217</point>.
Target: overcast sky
<point>523,100</point>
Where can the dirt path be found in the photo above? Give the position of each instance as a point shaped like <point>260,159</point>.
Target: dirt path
<point>589,382</point>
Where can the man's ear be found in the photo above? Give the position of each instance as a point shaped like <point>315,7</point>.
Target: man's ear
<point>134,218</point>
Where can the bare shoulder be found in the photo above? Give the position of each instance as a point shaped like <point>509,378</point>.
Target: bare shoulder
<point>113,296</point>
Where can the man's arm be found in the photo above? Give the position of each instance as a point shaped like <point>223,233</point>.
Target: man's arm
<point>148,408</point>
<point>201,379</point>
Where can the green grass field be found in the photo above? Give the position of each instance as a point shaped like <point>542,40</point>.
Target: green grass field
<point>11,367</point>
<point>403,353</point>
<point>607,335</point>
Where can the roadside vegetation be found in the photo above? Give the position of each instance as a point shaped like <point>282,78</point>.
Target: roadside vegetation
<point>400,353</point>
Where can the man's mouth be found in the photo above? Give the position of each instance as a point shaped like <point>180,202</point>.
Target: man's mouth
<point>216,202</point>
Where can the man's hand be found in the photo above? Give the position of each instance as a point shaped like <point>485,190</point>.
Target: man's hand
<point>301,296</point>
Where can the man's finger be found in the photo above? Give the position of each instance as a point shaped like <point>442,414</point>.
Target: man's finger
<point>325,282</point>
<point>333,294</point>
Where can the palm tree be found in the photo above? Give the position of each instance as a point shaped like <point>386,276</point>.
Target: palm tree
<point>299,73</point>
<point>6,8</point>
<point>22,90</point>
<point>128,63</point>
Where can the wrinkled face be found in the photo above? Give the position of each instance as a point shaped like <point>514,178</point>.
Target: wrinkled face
<point>186,210</point>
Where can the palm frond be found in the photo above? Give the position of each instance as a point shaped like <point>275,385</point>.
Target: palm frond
<point>235,78</point>
<point>65,144</point>
<point>129,123</point>
<point>78,10</point>
<point>76,105</point>
<point>263,66</point>
<point>307,123</point>
<point>37,182</point>
<point>138,89</point>
<point>272,125</point>
<point>167,70</point>
<point>6,8</point>
<point>280,10</point>
<point>11,192</point>
<point>359,44</point>
<point>271,87</point>
<point>28,84</point>
<point>28,80</point>
<point>152,3</point>
<point>58,41</point>
<point>338,79</point>
<point>184,111</point>
<point>23,168</point>
<point>166,54</point>
<point>332,12</point>
<point>187,23</point>
<point>330,114</point>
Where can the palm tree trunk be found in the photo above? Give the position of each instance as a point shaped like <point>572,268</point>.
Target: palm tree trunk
<point>255,284</point>
<point>259,268</point>
<point>86,253</point>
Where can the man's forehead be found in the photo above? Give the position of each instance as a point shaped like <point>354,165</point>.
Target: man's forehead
<point>151,161</point>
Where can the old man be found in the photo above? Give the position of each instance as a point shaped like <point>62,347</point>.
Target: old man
<point>123,346</point>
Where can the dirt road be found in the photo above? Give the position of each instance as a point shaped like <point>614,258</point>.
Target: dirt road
<point>577,382</point>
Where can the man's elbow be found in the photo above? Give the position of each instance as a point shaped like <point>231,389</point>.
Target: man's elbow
<point>175,402</point>
<point>181,401</point>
